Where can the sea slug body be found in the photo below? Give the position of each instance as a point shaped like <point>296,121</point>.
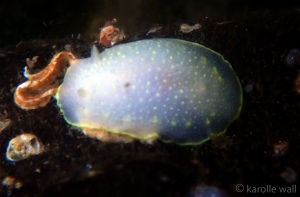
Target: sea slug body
<point>171,89</point>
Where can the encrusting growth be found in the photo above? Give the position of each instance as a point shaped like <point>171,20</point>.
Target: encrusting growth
<point>40,87</point>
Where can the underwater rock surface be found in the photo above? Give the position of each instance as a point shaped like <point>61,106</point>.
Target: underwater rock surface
<point>167,88</point>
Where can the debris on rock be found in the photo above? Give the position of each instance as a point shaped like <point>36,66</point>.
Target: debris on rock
<point>12,182</point>
<point>281,148</point>
<point>24,146</point>
<point>186,28</point>
<point>289,175</point>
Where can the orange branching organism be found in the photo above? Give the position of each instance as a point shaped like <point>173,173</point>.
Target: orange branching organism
<point>111,35</point>
<point>40,87</point>
<point>108,35</point>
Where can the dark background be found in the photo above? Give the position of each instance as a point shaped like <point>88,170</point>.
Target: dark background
<point>43,19</point>
<point>254,36</point>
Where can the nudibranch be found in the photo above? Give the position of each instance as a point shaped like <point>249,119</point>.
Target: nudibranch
<point>173,90</point>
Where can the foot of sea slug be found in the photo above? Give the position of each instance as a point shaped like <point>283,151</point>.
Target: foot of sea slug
<point>107,136</point>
